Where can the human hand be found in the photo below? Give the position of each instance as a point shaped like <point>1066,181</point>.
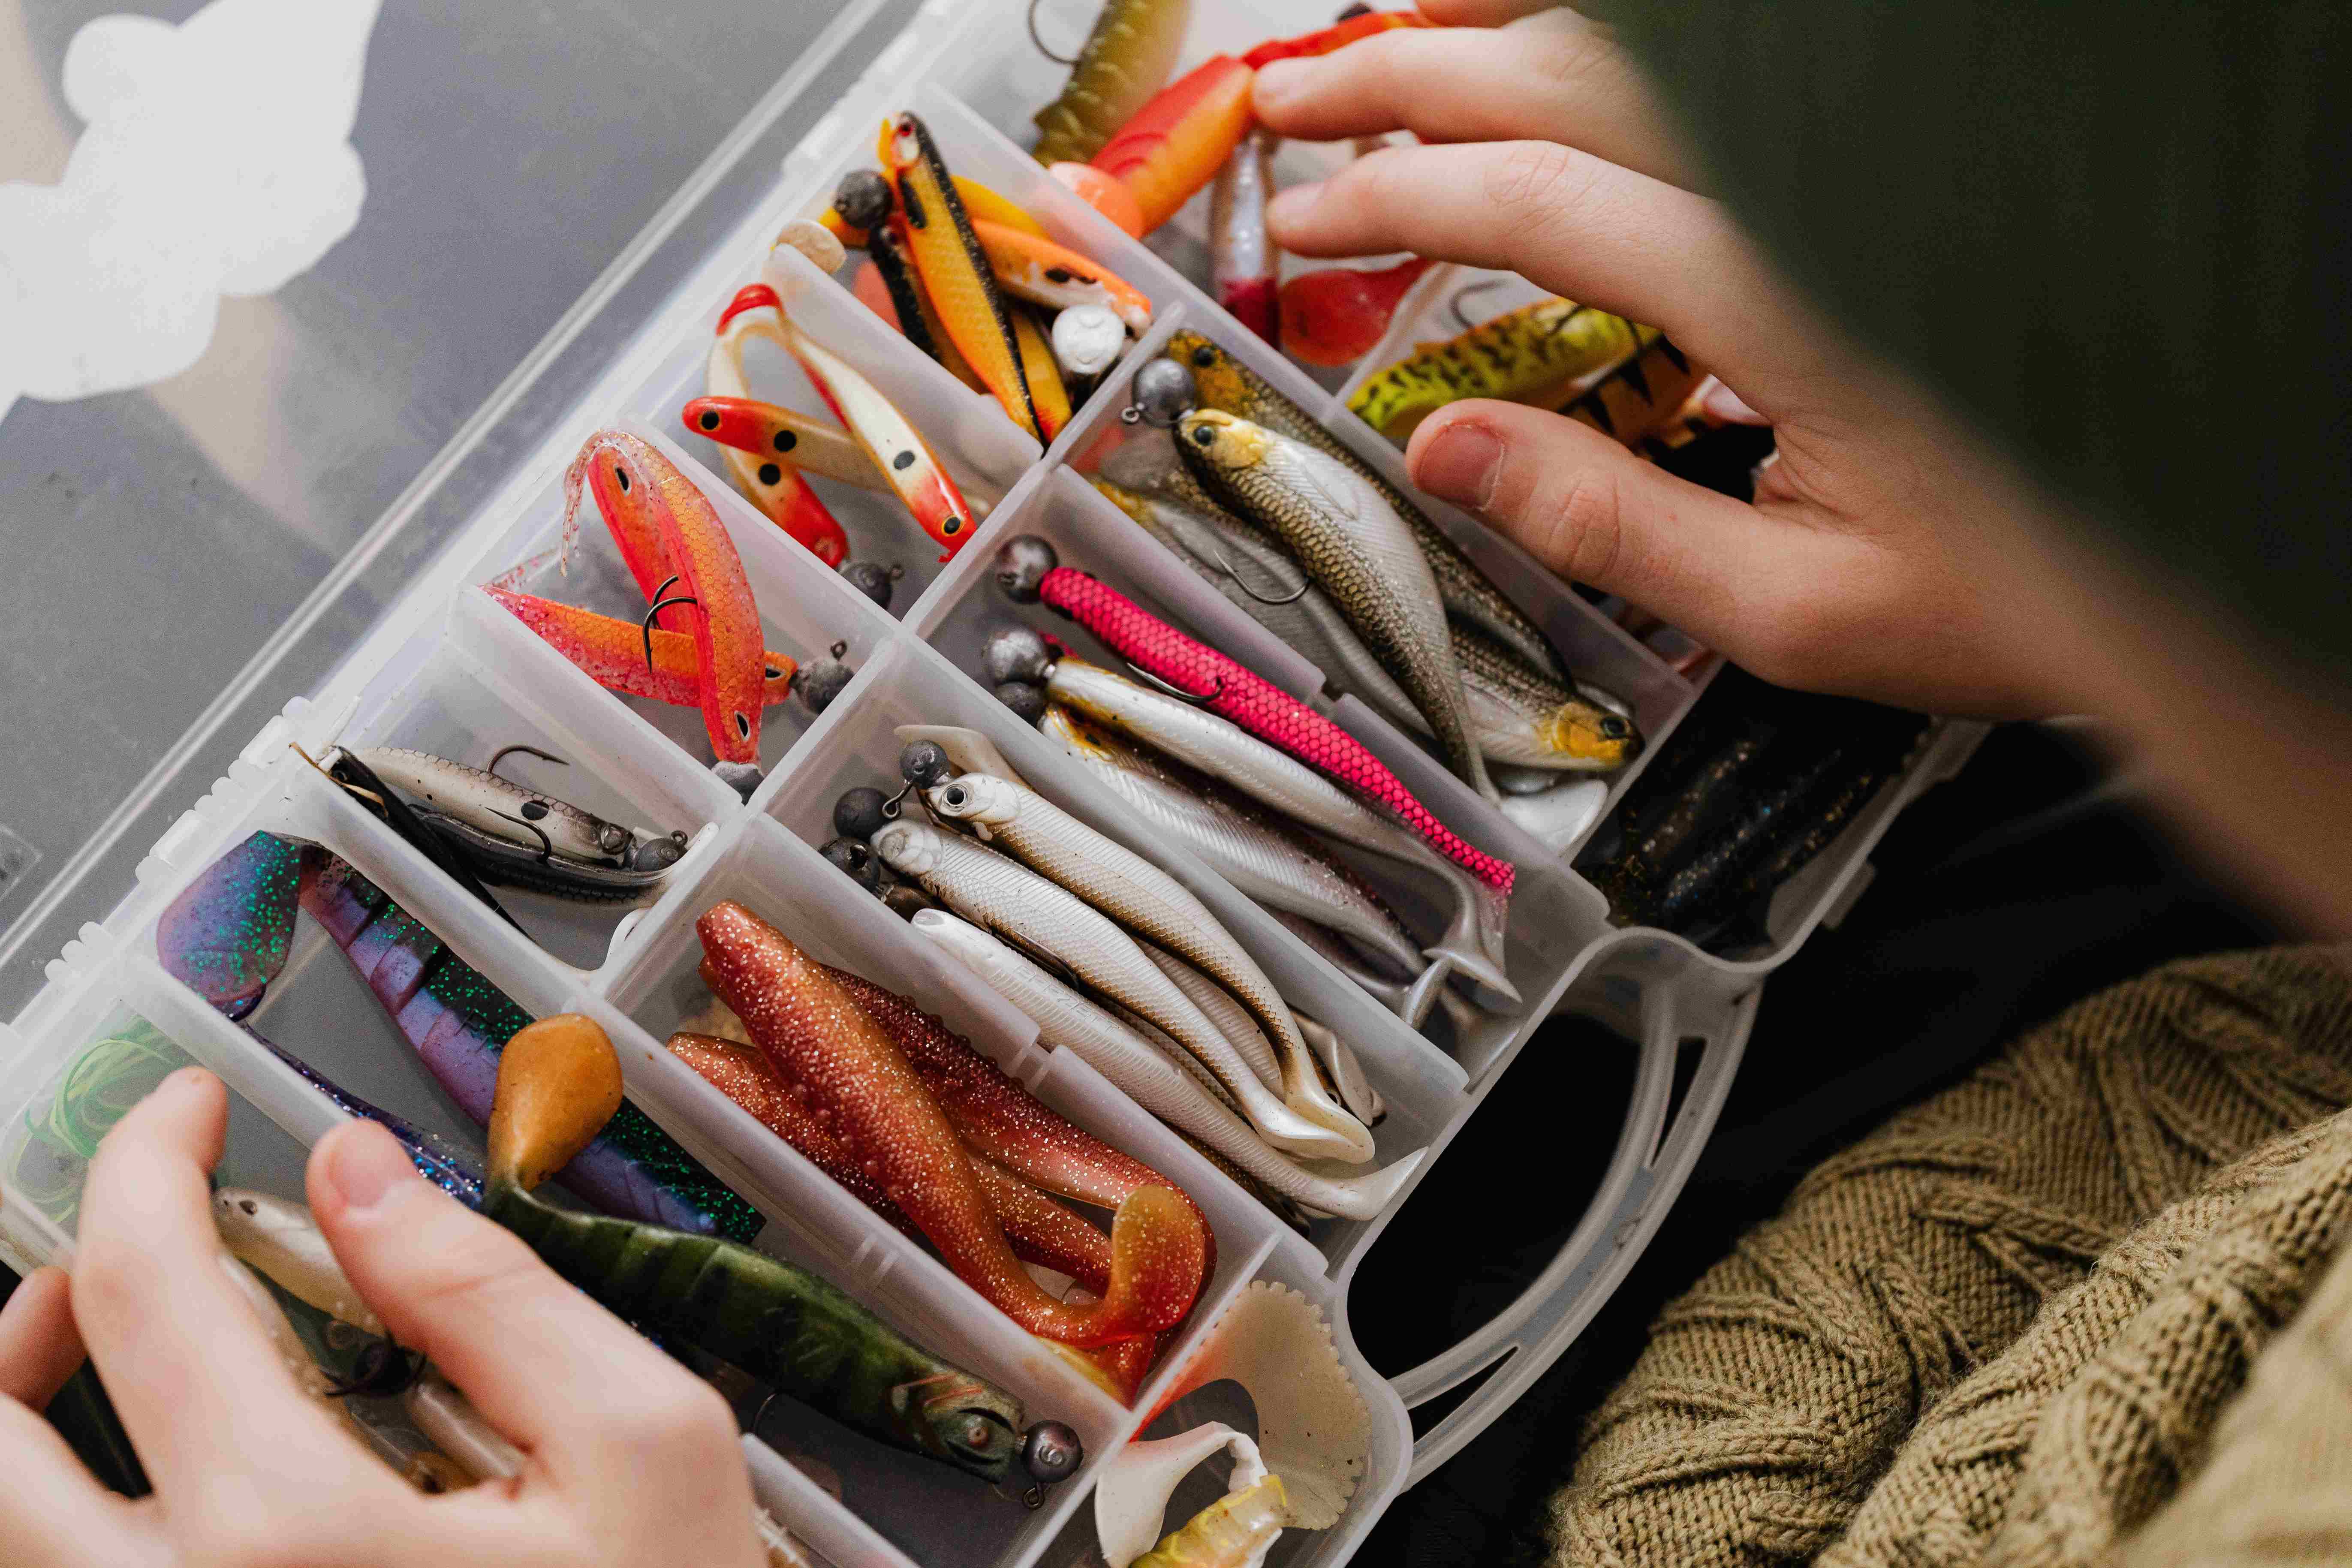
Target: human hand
<point>1881,557</point>
<point>628,1458</point>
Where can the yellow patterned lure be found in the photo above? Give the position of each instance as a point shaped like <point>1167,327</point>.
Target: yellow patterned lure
<point>1127,58</point>
<point>1545,353</point>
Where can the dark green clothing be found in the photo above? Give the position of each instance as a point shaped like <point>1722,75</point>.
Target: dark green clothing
<point>2119,235</point>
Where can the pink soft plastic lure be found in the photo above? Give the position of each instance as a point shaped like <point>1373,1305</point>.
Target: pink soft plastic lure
<point>1231,691</point>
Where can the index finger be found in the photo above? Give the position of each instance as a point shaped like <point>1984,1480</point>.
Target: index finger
<point>1556,78</point>
<point>199,1388</point>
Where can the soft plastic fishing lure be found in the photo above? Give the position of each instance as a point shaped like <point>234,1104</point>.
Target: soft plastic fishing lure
<point>612,652</point>
<point>1126,58</point>
<point>1029,267</point>
<point>225,936</point>
<point>1244,264</point>
<point>670,535</point>
<point>781,1324</point>
<point>1029,572</point>
<point>770,430</point>
<point>1336,315</point>
<point>769,477</point>
<point>459,1022</point>
<point>1330,40</point>
<point>895,448</point>
<point>953,267</point>
<point>849,1068</point>
<point>1543,354</point>
<point>1175,145</point>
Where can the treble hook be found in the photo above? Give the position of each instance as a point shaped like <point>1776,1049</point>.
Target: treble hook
<point>1234,573</point>
<point>1454,304</point>
<point>1177,692</point>
<point>660,605</point>
<point>546,845</point>
<point>503,751</point>
<point>1034,38</point>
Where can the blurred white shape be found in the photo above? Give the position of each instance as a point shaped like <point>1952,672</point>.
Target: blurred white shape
<point>217,162</point>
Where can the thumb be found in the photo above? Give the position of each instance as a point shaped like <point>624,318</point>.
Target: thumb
<point>1595,513</point>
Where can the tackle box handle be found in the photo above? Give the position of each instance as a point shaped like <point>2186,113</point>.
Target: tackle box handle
<point>1645,1175</point>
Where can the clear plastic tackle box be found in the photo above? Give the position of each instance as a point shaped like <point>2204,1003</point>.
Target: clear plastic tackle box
<point>430,663</point>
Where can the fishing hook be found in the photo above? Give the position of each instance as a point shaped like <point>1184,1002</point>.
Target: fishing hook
<point>1234,573</point>
<point>504,751</point>
<point>1455,303</point>
<point>546,845</point>
<point>660,605</point>
<point>1034,38</point>
<point>1194,698</point>
<point>890,807</point>
<point>367,795</point>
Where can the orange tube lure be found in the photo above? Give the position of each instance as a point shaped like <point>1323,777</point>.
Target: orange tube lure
<point>645,498</point>
<point>852,1073</point>
<point>1178,140</point>
<point>613,652</point>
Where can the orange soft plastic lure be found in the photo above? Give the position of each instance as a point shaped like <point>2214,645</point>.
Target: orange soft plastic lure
<point>770,479</point>
<point>953,269</point>
<point>1178,141</point>
<point>684,561</point>
<point>612,652</point>
<point>1328,41</point>
<point>852,1072</point>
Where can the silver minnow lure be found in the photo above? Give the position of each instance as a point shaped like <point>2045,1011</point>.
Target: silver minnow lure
<point>1472,940</point>
<point>1155,907</point>
<point>490,804</point>
<point>1001,895</point>
<point>1357,548</point>
<point>1272,866</point>
<point>1066,1020</point>
<point>280,1240</point>
<point>1401,996</point>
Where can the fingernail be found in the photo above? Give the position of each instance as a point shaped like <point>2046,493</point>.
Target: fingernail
<point>365,1164</point>
<point>1727,405</point>
<point>1279,81</point>
<point>1293,205</point>
<point>1462,463</point>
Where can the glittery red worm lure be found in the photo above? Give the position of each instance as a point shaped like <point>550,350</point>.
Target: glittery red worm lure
<point>1228,689</point>
<point>852,1073</point>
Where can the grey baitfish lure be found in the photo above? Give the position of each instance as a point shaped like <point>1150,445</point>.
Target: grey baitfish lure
<point>1356,547</point>
<point>522,837</point>
<point>1067,1020</point>
<point>1153,906</point>
<point>1001,895</point>
<point>1517,718</point>
<point>1272,863</point>
<point>1224,383</point>
<point>1473,938</point>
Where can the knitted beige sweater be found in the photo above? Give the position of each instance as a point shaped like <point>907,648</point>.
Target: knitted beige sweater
<point>2165,1132</point>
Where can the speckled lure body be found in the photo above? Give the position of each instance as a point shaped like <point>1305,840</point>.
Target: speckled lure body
<point>458,1022</point>
<point>1258,705</point>
<point>851,1071</point>
<point>612,652</point>
<point>1126,58</point>
<point>674,543</point>
<point>1543,354</point>
<point>782,1325</point>
<point>1224,384</point>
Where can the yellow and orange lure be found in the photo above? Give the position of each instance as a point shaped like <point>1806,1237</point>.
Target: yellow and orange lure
<point>1545,354</point>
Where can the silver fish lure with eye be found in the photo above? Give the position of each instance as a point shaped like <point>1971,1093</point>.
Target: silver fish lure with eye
<point>1473,940</point>
<point>1155,907</point>
<point>1001,895</point>
<point>1067,1020</point>
<point>523,837</point>
<point>1274,866</point>
<point>1357,548</point>
<point>1517,718</point>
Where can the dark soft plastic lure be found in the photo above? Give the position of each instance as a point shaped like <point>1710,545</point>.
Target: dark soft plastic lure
<point>226,937</point>
<point>459,1022</point>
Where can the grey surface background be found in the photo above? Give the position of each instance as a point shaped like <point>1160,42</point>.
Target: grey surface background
<point>154,540</point>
